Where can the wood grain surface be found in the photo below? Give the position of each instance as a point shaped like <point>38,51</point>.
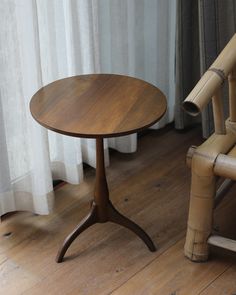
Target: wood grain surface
<point>106,259</point>
<point>98,105</point>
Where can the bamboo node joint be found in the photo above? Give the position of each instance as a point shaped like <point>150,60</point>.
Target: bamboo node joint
<point>219,72</point>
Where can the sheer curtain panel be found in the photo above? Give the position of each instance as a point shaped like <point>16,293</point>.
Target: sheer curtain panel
<point>41,41</point>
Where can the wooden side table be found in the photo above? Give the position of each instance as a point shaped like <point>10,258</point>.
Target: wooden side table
<point>99,106</point>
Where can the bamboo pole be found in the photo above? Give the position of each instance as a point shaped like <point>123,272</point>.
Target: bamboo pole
<point>225,166</point>
<point>212,79</point>
<point>200,216</point>
<point>209,159</point>
<point>222,242</point>
<point>222,190</point>
<point>218,113</point>
<point>231,126</point>
<point>190,154</point>
<point>232,95</point>
<point>224,187</point>
<point>203,191</point>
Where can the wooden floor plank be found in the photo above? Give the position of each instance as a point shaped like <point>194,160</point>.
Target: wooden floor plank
<point>3,258</point>
<point>224,285</point>
<point>172,273</point>
<point>118,245</point>
<point>14,279</point>
<point>151,187</point>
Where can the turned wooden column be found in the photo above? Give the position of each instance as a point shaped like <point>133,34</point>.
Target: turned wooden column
<point>101,193</point>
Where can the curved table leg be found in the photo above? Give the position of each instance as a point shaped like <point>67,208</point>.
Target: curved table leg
<point>116,217</point>
<point>89,220</point>
<point>102,209</point>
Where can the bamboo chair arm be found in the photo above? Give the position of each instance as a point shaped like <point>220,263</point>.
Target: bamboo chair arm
<point>225,166</point>
<point>212,80</point>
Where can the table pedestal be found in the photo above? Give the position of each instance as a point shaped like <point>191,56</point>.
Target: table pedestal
<point>102,209</point>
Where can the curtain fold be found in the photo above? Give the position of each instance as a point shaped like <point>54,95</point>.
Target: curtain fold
<point>42,41</point>
<point>187,57</point>
<point>216,27</point>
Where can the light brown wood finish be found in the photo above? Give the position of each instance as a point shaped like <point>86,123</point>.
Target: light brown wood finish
<point>218,113</point>
<point>107,257</point>
<point>222,242</point>
<point>213,158</point>
<point>232,95</point>
<point>98,105</point>
<point>212,79</point>
<point>171,274</point>
<point>224,285</point>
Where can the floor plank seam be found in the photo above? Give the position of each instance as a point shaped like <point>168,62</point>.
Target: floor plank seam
<point>150,262</point>
<point>149,189</point>
<point>216,278</point>
<point>16,245</point>
<point>3,261</point>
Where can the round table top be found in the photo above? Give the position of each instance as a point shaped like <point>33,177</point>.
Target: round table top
<point>98,105</point>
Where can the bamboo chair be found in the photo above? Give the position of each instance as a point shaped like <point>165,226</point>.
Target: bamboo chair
<point>215,158</point>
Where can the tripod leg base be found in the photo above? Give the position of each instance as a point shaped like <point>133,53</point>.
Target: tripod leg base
<point>116,217</point>
<point>112,215</point>
<point>89,220</point>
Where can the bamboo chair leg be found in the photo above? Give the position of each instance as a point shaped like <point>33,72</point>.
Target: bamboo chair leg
<point>200,217</point>
<point>232,95</point>
<point>218,113</point>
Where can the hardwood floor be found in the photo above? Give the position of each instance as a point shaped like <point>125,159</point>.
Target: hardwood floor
<point>152,188</point>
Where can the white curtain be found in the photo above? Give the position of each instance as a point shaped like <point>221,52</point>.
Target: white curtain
<point>41,41</point>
